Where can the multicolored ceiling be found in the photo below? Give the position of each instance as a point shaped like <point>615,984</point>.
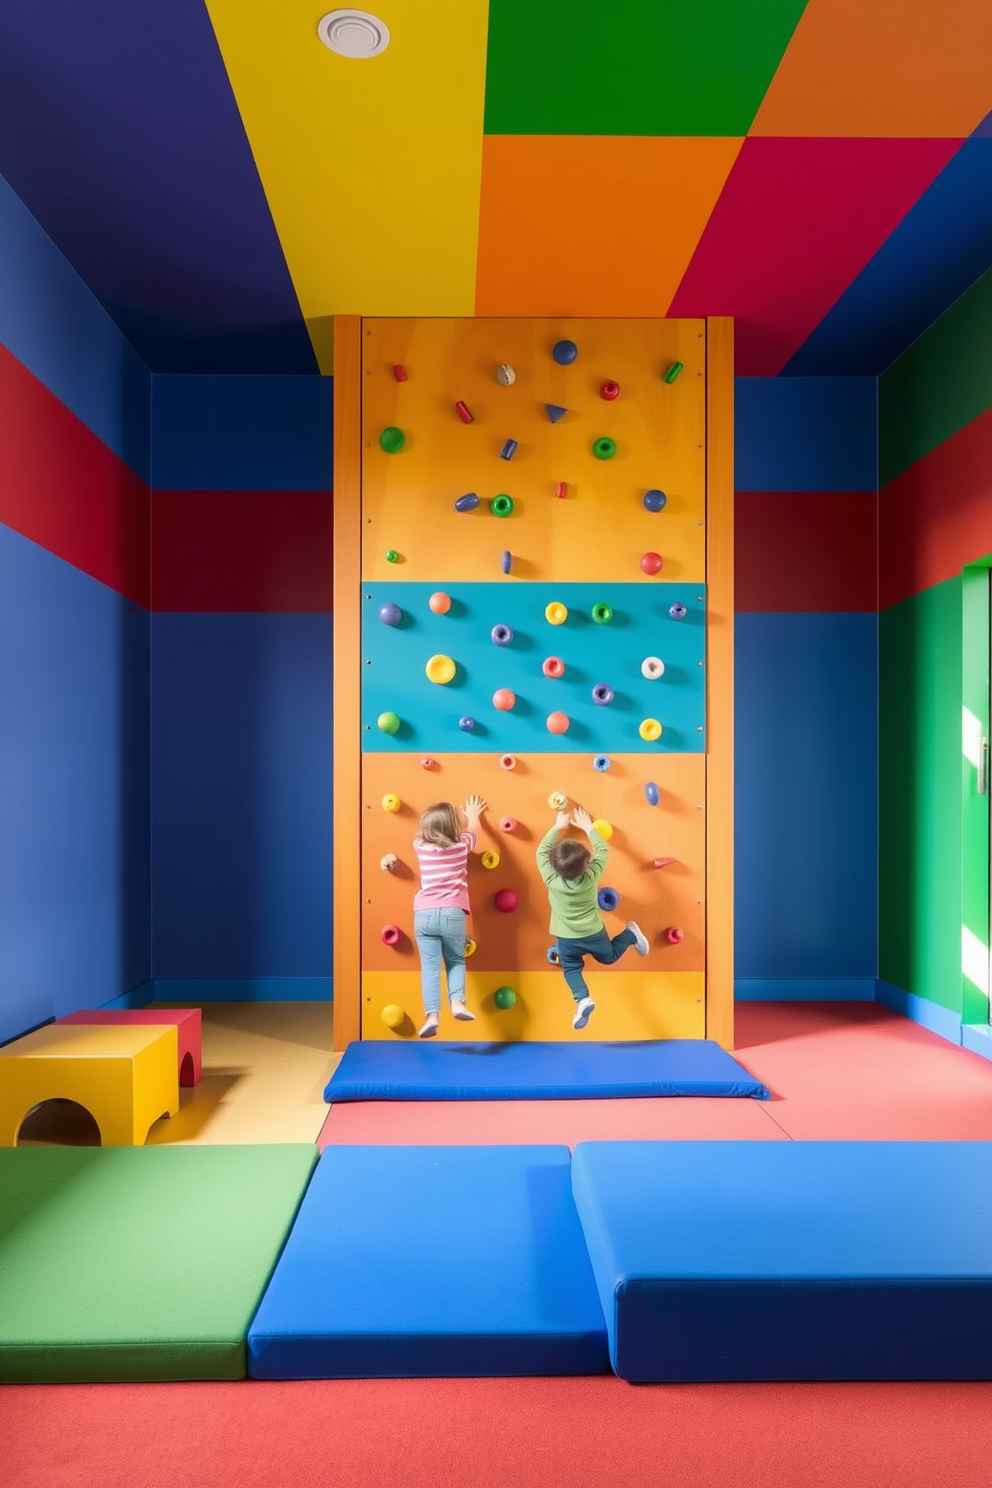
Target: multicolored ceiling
<point>225,185</point>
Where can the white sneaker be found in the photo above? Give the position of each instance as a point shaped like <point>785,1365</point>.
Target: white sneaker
<point>429,1029</point>
<point>640,939</point>
<point>461,1012</point>
<point>582,1013</point>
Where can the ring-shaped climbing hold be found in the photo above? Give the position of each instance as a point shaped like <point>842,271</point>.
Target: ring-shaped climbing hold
<point>602,614</point>
<point>604,448</point>
<point>392,556</point>
<point>610,391</point>
<point>390,935</point>
<point>555,613</point>
<point>440,669</point>
<point>603,828</point>
<point>501,635</point>
<point>602,762</point>
<point>501,506</point>
<point>391,802</point>
<point>553,957</point>
<point>677,611</point>
<point>392,440</point>
<point>557,801</point>
<point>602,694</point>
<point>508,823</point>
<point>471,946</point>
<point>650,730</point>
<point>508,762</point>
<point>608,899</point>
<point>490,859</point>
<point>553,666</point>
<point>652,667</point>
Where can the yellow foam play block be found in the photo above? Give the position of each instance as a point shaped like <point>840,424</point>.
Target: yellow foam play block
<point>126,1077</point>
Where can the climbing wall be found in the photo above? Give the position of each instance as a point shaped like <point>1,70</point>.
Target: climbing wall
<point>533,619</point>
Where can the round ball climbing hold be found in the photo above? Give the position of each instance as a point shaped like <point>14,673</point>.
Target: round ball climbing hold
<point>652,793</point>
<point>440,669</point>
<point>388,862</point>
<point>392,556</point>
<point>650,730</point>
<point>506,562</point>
<point>677,611</point>
<point>557,801</point>
<point>504,997</point>
<point>427,763</point>
<point>390,614</point>
<point>608,899</point>
<point>652,667</point>
<point>466,724</point>
<point>674,935</point>
<point>508,761</point>
<point>391,802</point>
<point>603,828</point>
<point>390,935</point>
<point>471,946</point>
<point>392,440</point>
<point>388,723</point>
<point>604,448</point>
<point>558,723</point>
<point>555,613</point>
<point>553,957</point>
<point>564,353</point>
<point>501,506</point>
<point>490,859</point>
<point>467,503</point>
<point>553,666</point>
<point>501,635</point>
<point>602,694</point>
<point>602,614</point>
<point>505,375</point>
<point>506,900</point>
<point>610,391</point>
<point>439,603</point>
<point>392,1016</point>
<point>602,762</point>
<point>655,501</point>
<point>504,699</point>
<point>651,563</point>
<point>508,823</point>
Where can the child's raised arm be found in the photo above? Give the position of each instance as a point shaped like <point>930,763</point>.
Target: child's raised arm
<point>472,812</point>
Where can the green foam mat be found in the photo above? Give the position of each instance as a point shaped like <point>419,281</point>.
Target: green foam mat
<point>139,1263</point>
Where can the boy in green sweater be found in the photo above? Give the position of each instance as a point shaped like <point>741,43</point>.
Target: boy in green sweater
<point>571,873</point>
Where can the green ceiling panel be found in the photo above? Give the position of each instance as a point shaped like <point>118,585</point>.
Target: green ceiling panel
<point>639,67</point>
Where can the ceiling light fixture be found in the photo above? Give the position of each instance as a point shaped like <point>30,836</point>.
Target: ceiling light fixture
<point>353,33</point>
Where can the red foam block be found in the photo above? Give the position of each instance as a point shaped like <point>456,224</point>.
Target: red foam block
<point>188,1023</point>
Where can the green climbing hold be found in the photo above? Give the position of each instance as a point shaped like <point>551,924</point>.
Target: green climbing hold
<point>602,614</point>
<point>604,449</point>
<point>388,722</point>
<point>392,440</point>
<point>501,506</point>
<point>504,997</point>
<point>392,556</point>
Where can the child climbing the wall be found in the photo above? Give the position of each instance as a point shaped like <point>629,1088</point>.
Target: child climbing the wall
<point>441,906</point>
<point>572,873</point>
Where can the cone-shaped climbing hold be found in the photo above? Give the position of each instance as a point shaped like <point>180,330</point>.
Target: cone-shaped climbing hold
<point>554,412</point>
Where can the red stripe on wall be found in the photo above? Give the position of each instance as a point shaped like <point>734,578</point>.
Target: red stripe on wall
<point>937,516</point>
<point>242,551</point>
<point>805,551</point>
<point>62,488</point>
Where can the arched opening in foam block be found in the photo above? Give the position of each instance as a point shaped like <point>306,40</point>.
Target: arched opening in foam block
<point>59,1123</point>
<point>186,1071</point>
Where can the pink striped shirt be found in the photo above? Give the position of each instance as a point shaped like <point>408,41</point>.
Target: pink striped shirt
<point>443,874</point>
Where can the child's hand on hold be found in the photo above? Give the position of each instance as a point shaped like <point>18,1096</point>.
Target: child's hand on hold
<point>562,820</point>
<point>582,819</point>
<point>473,808</point>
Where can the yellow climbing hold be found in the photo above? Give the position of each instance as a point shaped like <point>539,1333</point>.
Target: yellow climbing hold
<point>391,802</point>
<point>470,947</point>
<point>490,859</point>
<point>392,1015</point>
<point>603,828</point>
<point>440,669</point>
<point>650,730</point>
<point>557,801</point>
<point>556,614</point>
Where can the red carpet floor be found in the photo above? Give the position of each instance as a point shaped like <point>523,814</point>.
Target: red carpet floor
<point>837,1071</point>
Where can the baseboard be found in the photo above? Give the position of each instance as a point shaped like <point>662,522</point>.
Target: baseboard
<point>920,1010</point>
<point>978,1038</point>
<point>136,997</point>
<point>804,989</point>
<point>241,989</point>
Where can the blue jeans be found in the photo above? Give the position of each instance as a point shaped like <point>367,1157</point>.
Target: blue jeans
<point>440,936</point>
<point>599,946</point>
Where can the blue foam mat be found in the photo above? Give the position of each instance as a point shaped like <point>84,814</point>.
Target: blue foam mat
<point>365,1286</point>
<point>436,1071</point>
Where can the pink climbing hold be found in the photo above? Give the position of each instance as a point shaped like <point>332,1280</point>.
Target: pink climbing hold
<point>390,935</point>
<point>508,824</point>
<point>506,900</point>
<point>662,862</point>
<point>674,935</point>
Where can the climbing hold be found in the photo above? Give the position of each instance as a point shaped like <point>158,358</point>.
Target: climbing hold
<point>392,440</point>
<point>602,762</point>
<point>440,669</point>
<point>399,373</point>
<point>504,997</point>
<point>655,501</point>
<point>602,614</point>
<point>674,935</point>
<point>467,503</point>
<point>555,613</point>
<point>471,946</point>
<point>390,614</point>
<point>501,506</point>
<point>554,412</point>
<point>427,763</point>
<point>650,730</point>
<point>553,667</point>
<point>553,957</point>
<point>439,603</point>
<point>602,694</point>
<point>504,700</point>
<point>466,725</point>
<point>388,862</point>
<point>506,562</point>
<point>509,450</point>
<point>561,490</point>
<point>393,1016</point>
<point>508,761</point>
<point>677,611</point>
<point>390,935</point>
<point>672,372</point>
<point>465,414</point>
<point>662,862</point>
<point>508,823</point>
<point>564,353</point>
<point>392,556</point>
<point>607,899</point>
<point>609,391</point>
<point>506,900</point>
<point>651,562</point>
<point>652,667</point>
<point>603,828</point>
<point>652,793</point>
<point>505,375</point>
<point>558,723</point>
<point>604,449</point>
<point>391,802</point>
<point>501,635</point>
<point>490,859</point>
<point>557,801</point>
<point>388,723</point>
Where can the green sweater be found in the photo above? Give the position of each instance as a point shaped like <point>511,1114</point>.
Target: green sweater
<point>574,910</point>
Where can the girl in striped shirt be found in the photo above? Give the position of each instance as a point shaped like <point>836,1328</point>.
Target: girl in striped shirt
<point>441,905</point>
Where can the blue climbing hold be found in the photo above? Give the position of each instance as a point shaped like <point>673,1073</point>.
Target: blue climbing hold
<point>653,793</point>
<point>655,501</point>
<point>553,957</point>
<point>554,412</point>
<point>509,450</point>
<point>390,614</point>
<point>608,899</point>
<point>466,725</point>
<point>507,562</point>
<point>602,762</point>
<point>467,503</point>
<point>564,353</point>
<point>677,611</point>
